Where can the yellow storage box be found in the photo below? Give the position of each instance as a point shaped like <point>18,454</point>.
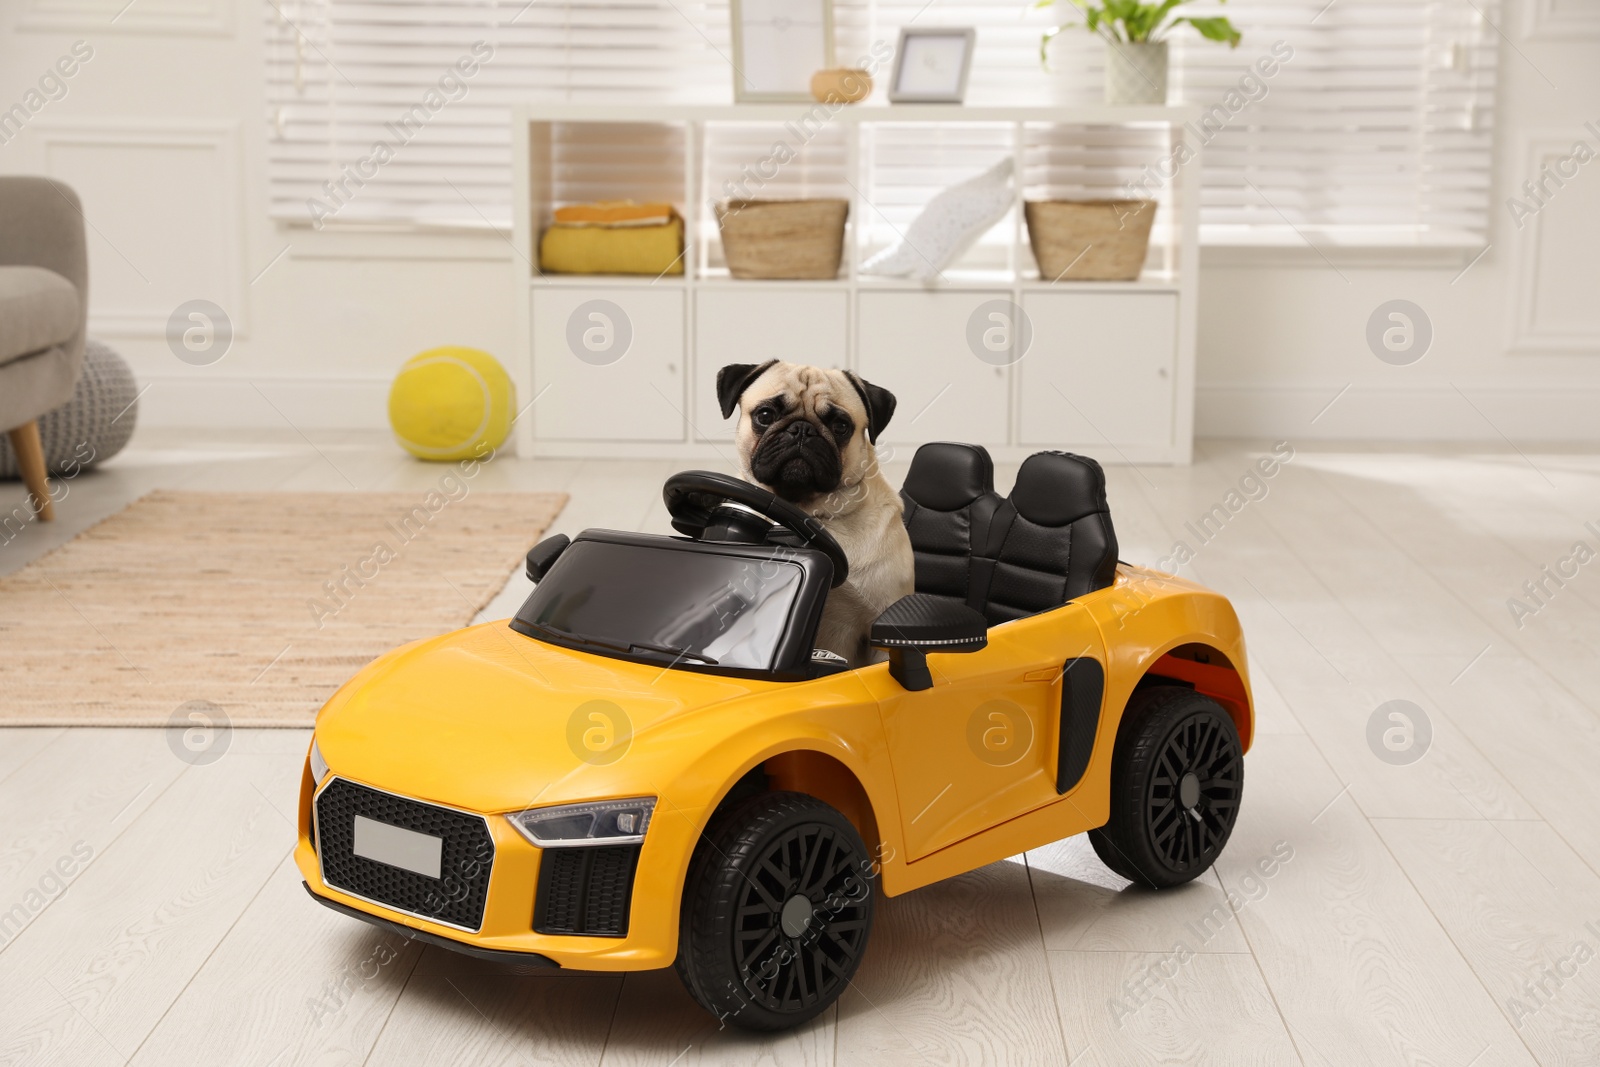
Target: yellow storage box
<point>614,239</point>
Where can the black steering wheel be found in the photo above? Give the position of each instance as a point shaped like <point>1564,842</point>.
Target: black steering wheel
<point>693,496</point>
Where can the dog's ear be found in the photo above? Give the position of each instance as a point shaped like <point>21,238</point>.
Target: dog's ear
<point>734,379</point>
<point>878,401</point>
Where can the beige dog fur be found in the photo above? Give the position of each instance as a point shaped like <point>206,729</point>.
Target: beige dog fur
<point>862,511</point>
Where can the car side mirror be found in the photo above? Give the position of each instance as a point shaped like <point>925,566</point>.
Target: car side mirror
<point>921,623</point>
<point>542,556</point>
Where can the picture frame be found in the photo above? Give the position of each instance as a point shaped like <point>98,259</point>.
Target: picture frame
<point>777,46</point>
<point>931,65</point>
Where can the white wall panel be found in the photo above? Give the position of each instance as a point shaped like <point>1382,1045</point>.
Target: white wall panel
<point>162,200</point>
<point>1563,19</point>
<point>165,17</point>
<point>1554,306</point>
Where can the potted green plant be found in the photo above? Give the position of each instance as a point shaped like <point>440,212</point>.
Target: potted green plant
<point>1136,45</point>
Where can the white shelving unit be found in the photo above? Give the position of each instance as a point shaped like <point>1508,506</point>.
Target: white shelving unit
<point>1109,371</point>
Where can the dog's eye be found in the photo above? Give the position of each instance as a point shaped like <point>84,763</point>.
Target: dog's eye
<point>762,417</point>
<point>842,427</point>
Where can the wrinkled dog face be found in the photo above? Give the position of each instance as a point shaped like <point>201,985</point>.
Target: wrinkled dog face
<point>804,432</point>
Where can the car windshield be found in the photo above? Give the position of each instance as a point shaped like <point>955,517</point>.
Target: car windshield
<point>691,607</point>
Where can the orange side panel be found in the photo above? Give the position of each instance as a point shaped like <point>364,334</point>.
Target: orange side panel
<point>1221,684</point>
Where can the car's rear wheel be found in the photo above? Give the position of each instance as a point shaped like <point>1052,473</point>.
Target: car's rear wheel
<point>776,911</point>
<point>1177,775</point>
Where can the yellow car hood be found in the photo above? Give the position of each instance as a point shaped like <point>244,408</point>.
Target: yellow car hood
<point>490,720</point>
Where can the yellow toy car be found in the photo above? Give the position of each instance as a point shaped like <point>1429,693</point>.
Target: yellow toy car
<point>650,766</point>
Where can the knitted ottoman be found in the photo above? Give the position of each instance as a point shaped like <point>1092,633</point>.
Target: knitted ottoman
<point>92,426</point>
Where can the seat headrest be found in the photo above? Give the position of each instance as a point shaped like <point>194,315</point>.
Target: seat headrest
<point>947,476</point>
<point>1057,488</point>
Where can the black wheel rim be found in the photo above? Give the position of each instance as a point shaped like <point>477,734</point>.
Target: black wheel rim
<point>1203,749</point>
<point>789,974</point>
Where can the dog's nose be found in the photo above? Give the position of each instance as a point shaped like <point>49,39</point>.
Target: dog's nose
<point>800,428</point>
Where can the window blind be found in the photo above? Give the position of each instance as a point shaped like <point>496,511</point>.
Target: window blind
<point>1376,130</point>
<point>1374,127</point>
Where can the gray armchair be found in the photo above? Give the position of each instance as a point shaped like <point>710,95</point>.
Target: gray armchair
<point>44,307</point>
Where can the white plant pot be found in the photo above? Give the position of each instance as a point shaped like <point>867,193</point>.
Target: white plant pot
<point>1136,73</point>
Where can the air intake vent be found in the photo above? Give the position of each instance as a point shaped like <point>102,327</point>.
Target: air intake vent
<point>455,898</point>
<point>585,891</point>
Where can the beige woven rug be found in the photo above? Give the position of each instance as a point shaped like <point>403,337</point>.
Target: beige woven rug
<point>262,603</point>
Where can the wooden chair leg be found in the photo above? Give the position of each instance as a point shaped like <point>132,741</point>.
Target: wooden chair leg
<point>30,459</point>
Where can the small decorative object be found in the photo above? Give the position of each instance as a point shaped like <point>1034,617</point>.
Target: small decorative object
<point>1136,47</point>
<point>1136,73</point>
<point>91,427</point>
<point>948,226</point>
<point>842,86</point>
<point>613,237</point>
<point>931,66</point>
<point>777,46</point>
<point>451,403</point>
<point>1090,240</point>
<point>783,238</point>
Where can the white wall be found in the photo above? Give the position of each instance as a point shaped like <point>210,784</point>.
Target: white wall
<point>163,132</point>
<point>1516,338</point>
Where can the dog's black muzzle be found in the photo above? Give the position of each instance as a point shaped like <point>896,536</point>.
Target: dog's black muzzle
<point>797,461</point>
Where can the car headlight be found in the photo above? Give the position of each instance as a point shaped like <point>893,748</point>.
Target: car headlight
<point>604,822</point>
<point>319,766</point>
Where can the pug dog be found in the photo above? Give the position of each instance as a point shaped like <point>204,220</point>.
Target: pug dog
<point>807,434</point>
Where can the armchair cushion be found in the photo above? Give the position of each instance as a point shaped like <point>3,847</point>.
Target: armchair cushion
<point>42,228</point>
<point>39,309</point>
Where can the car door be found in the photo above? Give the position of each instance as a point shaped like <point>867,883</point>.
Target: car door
<point>981,746</point>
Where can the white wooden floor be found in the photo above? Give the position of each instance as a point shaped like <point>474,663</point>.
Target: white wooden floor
<point>1444,912</point>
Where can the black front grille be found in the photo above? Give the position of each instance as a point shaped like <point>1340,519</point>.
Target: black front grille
<point>456,897</point>
<point>585,891</point>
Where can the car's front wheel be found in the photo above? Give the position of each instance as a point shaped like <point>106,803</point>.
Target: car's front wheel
<point>1177,775</point>
<point>776,912</point>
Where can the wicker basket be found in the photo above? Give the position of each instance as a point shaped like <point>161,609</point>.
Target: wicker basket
<point>783,238</point>
<point>1090,240</point>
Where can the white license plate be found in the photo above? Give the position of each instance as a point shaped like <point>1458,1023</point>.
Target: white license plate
<point>398,847</point>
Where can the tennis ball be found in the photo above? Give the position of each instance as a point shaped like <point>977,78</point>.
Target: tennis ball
<point>451,403</point>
